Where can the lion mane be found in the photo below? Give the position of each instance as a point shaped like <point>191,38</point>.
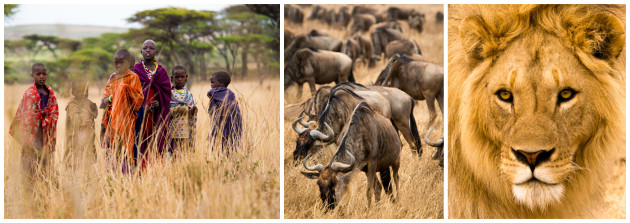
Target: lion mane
<point>478,34</point>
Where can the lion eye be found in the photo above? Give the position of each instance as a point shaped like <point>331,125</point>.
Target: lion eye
<point>566,95</point>
<point>505,96</point>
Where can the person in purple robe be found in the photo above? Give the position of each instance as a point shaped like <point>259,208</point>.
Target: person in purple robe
<point>152,123</point>
<point>224,113</point>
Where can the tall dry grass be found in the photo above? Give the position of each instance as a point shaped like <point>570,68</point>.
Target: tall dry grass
<point>198,184</point>
<point>421,179</point>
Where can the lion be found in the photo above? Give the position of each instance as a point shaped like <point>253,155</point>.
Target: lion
<point>536,109</point>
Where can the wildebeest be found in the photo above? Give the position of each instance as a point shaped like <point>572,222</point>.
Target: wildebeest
<point>358,48</point>
<point>421,80</point>
<point>400,104</point>
<point>366,49</point>
<point>316,42</point>
<point>399,14</point>
<point>316,12</point>
<point>399,46</point>
<point>357,10</point>
<point>370,144</point>
<point>317,67</point>
<point>338,108</point>
<point>343,17</point>
<point>416,21</point>
<point>381,77</point>
<point>362,23</point>
<point>380,38</point>
<point>293,14</point>
<point>439,153</point>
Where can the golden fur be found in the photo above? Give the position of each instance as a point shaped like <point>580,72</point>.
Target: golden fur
<point>534,52</point>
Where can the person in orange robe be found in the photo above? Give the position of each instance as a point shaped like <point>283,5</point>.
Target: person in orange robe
<point>121,100</point>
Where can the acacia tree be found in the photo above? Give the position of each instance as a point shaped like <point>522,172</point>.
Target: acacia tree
<point>10,9</point>
<point>176,29</point>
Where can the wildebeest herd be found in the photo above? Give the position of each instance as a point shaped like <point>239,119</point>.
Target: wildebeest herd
<point>374,65</point>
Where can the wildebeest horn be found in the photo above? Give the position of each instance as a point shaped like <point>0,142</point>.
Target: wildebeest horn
<point>342,167</point>
<point>295,128</point>
<point>317,167</point>
<point>434,144</point>
<point>305,124</point>
<point>316,134</point>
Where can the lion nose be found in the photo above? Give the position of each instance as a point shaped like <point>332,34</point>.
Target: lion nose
<point>532,159</point>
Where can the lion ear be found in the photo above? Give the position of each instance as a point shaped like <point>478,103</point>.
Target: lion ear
<point>601,35</point>
<point>473,34</point>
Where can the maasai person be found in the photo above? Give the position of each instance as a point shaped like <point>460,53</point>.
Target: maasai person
<point>183,112</point>
<point>80,115</point>
<point>152,123</point>
<point>35,122</point>
<point>121,100</point>
<point>224,112</point>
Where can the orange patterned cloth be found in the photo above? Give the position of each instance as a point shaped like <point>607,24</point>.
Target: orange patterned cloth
<point>120,115</point>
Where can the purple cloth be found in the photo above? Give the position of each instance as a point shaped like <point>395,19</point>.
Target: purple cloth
<point>226,114</point>
<point>44,101</point>
<point>161,83</point>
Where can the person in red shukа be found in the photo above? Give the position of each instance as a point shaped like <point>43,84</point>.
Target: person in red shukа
<point>35,122</point>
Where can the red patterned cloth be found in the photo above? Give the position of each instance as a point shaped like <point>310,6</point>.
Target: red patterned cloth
<point>30,116</point>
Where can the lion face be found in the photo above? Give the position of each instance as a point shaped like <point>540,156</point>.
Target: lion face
<point>537,111</point>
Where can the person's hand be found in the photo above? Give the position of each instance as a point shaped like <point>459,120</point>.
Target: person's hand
<point>193,110</point>
<point>155,104</point>
<point>104,103</point>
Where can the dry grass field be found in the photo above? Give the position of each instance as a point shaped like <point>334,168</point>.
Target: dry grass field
<point>198,184</point>
<point>421,179</point>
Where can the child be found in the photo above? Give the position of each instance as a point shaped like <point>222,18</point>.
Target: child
<point>80,115</point>
<point>35,122</point>
<point>152,122</point>
<point>183,111</point>
<point>121,100</point>
<point>226,116</point>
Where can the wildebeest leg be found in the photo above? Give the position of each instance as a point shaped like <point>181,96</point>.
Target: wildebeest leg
<point>299,93</point>
<point>387,184</point>
<point>311,84</point>
<point>430,99</point>
<point>395,168</point>
<point>404,129</point>
<point>371,177</point>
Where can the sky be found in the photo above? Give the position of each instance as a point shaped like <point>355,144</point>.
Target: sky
<point>97,15</point>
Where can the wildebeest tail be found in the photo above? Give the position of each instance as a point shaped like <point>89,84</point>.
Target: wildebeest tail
<point>414,129</point>
<point>351,76</point>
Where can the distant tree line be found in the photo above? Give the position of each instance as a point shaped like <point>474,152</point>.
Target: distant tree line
<point>195,39</point>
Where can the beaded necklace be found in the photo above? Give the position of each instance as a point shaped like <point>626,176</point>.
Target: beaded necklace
<point>149,72</point>
<point>182,93</point>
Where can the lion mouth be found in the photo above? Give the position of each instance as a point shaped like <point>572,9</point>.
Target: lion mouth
<point>534,180</point>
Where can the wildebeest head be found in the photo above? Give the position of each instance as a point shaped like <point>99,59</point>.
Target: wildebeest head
<point>330,179</point>
<point>305,143</point>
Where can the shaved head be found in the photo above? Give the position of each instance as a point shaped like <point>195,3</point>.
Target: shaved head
<point>35,66</point>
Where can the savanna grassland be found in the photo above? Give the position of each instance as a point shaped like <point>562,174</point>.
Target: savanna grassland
<point>198,184</point>
<point>421,179</point>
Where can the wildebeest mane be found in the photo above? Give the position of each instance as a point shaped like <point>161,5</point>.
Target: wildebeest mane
<point>359,112</point>
<point>352,85</point>
<point>404,59</point>
<point>333,99</point>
